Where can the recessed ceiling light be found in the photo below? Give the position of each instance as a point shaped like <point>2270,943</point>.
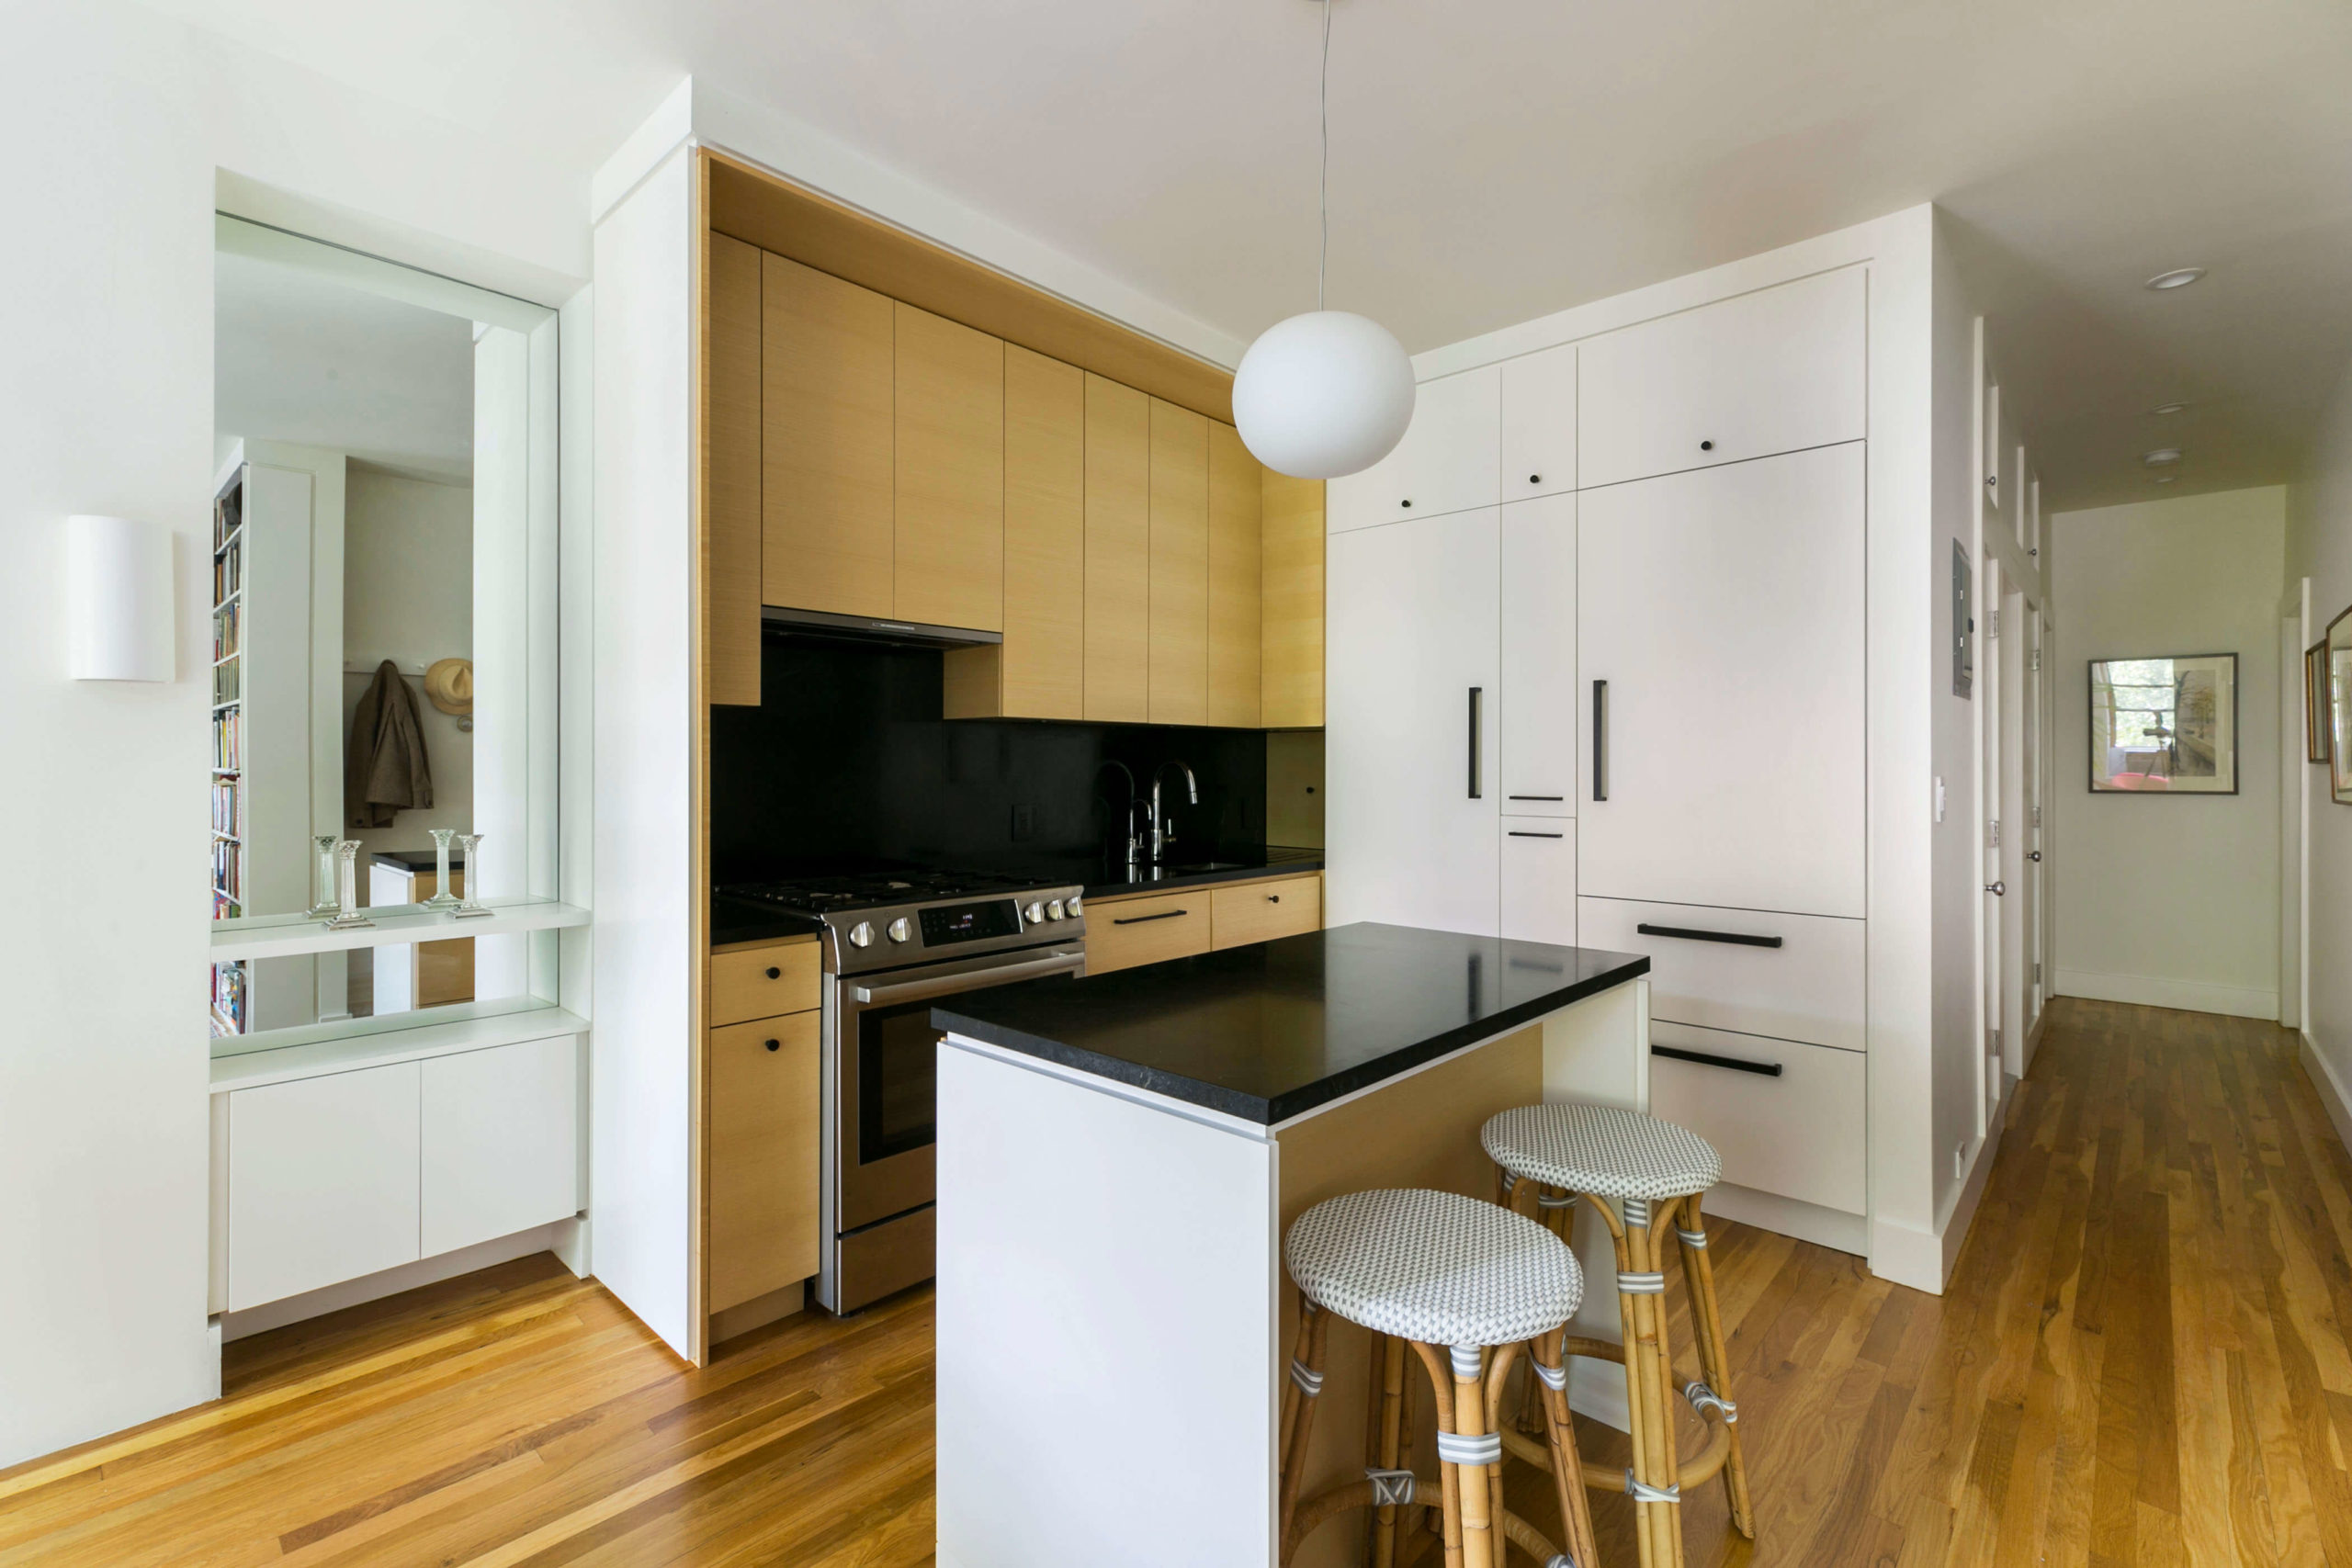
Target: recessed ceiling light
<point>2161,455</point>
<point>2179,277</point>
<point>2169,408</point>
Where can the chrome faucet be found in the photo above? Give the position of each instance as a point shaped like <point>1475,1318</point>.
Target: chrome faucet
<point>1157,837</point>
<point>1127,815</point>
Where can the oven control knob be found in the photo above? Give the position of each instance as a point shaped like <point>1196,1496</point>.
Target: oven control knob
<point>901,929</point>
<point>860,934</point>
<point>1054,910</point>
<point>1072,907</point>
<point>1033,913</point>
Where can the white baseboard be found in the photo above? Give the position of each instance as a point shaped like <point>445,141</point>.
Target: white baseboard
<point>555,1237</point>
<point>2159,991</point>
<point>1787,1216</point>
<point>2329,1087</point>
<point>1922,1259</point>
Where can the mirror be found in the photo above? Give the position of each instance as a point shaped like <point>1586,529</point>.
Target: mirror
<point>383,638</point>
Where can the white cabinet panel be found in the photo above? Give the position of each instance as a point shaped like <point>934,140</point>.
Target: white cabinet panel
<point>1538,714</point>
<point>1773,371</point>
<point>1715,967</point>
<point>1539,879</point>
<point>501,1135</point>
<point>1410,750</point>
<point>1723,611</point>
<point>323,1181</point>
<point>1798,1133</point>
<point>1539,424</point>
<point>1446,462</point>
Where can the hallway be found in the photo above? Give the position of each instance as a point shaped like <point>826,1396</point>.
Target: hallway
<point>2141,1361</point>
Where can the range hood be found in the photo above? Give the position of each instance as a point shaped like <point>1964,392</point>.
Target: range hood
<point>866,628</point>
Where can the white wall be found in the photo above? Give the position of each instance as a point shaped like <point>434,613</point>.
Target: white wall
<point>2172,899</point>
<point>2319,546</point>
<point>116,129</point>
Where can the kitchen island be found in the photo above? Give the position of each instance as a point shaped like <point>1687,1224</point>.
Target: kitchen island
<point>1118,1158</point>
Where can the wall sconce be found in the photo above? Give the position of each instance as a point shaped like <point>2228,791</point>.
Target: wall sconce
<point>118,599</point>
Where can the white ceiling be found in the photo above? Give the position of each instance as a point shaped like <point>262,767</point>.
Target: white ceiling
<point>1499,161</point>
<point>299,359</point>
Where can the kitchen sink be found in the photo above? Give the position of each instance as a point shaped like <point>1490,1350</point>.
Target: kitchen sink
<point>1206,865</point>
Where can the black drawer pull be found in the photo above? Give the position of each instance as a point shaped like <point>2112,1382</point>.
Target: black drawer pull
<point>1516,833</point>
<point>775,973</point>
<point>1139,919</point>
<point>1538,798</point>
<point>1274,898</point>
<point>776,1045</point>
<point>1738,939</point>
<point>1762,1069</point>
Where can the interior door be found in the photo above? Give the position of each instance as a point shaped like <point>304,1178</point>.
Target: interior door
<point>1411,731</point>
<point>1719,636</point>
<point>1990,660</point>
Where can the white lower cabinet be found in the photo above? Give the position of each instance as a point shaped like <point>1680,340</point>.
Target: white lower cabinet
<point>500,1142</point>
<point>1539,879</point>
<point>1786,1117</point>
<point>1789,976</point>
<point>323,1181</point>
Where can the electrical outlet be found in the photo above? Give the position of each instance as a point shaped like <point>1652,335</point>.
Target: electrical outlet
<point>1959,1161</point>
<point>1024,823</point>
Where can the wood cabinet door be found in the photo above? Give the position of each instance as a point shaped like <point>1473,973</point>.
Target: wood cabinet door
<point>1448,461</point>
<point>1118,552</point>
<point>763,1157</point>
<point>1723,609</point>
<point>1411,747</point>
<point>1291,521</point>
<point>1261,911</point>
<point>1043,669</point>
<point>1180,565</point>
<point>1237,567</point>
<point>1122,933</point>
<point>1539,424</point>
<point>1777,370</point>
<point>1538,717</point>
<point>828,384</point>
<point>949,540</point>
<point>731,513</point>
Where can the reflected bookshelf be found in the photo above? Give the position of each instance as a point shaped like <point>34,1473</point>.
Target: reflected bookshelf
<point>228,1011</point>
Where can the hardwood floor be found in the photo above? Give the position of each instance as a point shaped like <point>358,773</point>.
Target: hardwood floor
<point>2142,1360</point>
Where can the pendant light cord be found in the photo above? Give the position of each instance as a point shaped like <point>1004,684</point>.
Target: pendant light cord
<point>1323,194</point>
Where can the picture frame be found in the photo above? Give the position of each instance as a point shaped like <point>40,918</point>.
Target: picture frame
<point>2317,746</point>
<point>2339,707</point>
<point>2167,724</point>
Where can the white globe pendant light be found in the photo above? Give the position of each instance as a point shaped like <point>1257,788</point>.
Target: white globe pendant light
<point>1327,393</point>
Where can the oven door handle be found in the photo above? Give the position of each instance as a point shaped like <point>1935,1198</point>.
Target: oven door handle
<point>972,980</point>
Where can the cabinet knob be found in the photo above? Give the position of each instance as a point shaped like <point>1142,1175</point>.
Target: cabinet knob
<point>1274,898</point>
<point>775,973</point>
<point>1706,446</point>
<point>1404,504</point>
<point>1535,478</point>
<point>776,1045</point>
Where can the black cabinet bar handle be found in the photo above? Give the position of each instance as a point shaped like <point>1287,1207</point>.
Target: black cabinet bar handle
<point>1535,797</point>
<point>1762,1069</point>
<point>1518,834</point>
<point>1738,938</point>
<point>1140,920</point>
<point>1601,740</point>
<point>1477,701</point>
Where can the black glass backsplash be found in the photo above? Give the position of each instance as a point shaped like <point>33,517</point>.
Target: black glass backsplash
<point>846,762</point>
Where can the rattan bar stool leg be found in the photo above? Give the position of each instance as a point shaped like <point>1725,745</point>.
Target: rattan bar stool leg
<point>1299,1399</point>
<point>1714,1364</point>
<point>1391,1435</point>
<point>1548,1367</point>
<point>1653,1480</point>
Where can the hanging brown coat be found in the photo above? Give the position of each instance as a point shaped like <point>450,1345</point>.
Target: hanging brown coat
<point>386,769</point>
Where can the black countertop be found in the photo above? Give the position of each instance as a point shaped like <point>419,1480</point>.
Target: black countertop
<point>734,920</point>
<point>1267,1032</point>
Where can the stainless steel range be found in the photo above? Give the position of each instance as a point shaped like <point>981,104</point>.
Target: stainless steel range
<point>894,945</point>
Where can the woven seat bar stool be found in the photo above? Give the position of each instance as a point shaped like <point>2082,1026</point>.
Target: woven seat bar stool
<point>1470,1287</point>
<point>1656,1174</point>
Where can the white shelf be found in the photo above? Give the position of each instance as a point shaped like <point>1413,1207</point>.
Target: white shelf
<point>283,937</point>
<point>252,1066</point>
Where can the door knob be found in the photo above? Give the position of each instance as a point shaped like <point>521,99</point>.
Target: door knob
<point>2034,855</point>
<point>1996,888</point>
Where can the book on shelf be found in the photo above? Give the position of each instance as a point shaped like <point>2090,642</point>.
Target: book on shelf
<point>228,741</point>
<point>228,513</point>
<point>227,623</point>
<point>227,807</point>
<point>227,570</point>
<point>229,998</point>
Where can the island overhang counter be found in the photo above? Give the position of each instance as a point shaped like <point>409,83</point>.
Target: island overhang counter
<point>1118,1159</point>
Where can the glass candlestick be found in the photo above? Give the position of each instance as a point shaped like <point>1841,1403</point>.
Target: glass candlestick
<point>471,907</point>
<point>442,898</point>
<point>346,854</point>
<point>323,906</point>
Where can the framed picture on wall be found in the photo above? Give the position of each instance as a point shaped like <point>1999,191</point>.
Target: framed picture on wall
<point>2316,747</point>
<point>2339,708</point>
<point>2169,726</point>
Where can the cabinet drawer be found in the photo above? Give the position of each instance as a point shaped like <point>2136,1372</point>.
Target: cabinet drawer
<point>763,982</point>
<point>1777,371</point>
<point>1539,879</point>
<point>1448,461</point>
<point>1128,932</point>
<point>1809,987</point>
<point>1263,910</point>
<point>1798,1134</point>
<point>764,1094</point>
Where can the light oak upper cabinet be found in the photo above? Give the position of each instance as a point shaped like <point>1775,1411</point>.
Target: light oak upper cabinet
<point>1180,565</point>
<point>1291,524</point>
<point>1447,461</point>
<point>1777,371</point>
<point>732,523</point>
<point>1236,565</point>
<point>1539,424</point>
<point>1118,552</point>
<point>827,378</point>
<point>949,544</point>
